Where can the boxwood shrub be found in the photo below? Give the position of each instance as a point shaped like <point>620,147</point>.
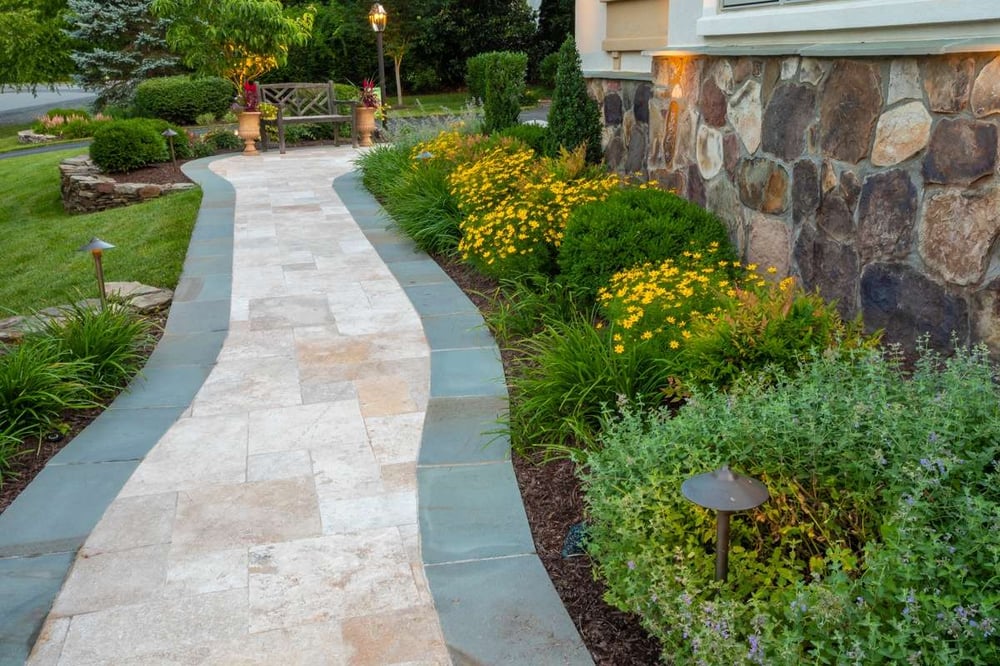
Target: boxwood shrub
<point>181,99</point>
<point>631,227</point>
<point>127,145</point>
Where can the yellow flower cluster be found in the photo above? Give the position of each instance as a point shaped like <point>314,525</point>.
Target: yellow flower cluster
<point>515,206</point>
<point>451,146</point>
<point>660,302</point>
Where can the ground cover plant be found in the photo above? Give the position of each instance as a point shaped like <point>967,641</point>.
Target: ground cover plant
<point>880,542</point>
<point>41,238</point>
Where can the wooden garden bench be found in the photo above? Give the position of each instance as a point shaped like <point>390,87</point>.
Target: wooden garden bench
<point>299,103</point>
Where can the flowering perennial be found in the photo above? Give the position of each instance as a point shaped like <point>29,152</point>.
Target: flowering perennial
<point>659,302</point>
<point>515,208</point>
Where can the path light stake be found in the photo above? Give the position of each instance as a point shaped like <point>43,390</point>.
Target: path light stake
<point>725,492</point>
<point>96,247</point>
<point>170,134</point>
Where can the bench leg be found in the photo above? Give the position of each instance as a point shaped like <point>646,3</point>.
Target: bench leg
<point>336,133</point>
<point>263,138</point>
<point>281,138</point>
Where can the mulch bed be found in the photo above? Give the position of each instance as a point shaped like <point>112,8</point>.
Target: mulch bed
<point>551,492</point>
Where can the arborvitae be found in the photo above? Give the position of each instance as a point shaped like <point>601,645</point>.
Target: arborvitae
<point>574,117</point>
<point>120,43</point>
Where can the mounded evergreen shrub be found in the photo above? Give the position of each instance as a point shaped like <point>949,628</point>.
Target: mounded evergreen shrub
<point>181,99</point>
<point>631,227</point>
<point>574,118</point>
<point>127,145</point>
<point>547,70</point>
<point>182,142</point>
<point>534,136</point>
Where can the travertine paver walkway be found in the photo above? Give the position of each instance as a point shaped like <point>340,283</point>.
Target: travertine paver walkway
<point>276,521</point>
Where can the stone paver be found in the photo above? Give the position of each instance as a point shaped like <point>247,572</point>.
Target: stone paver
<point>327,488</point>
<point>276,520</point>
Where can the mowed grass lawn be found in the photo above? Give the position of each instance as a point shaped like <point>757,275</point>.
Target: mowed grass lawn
<point>39,262</point>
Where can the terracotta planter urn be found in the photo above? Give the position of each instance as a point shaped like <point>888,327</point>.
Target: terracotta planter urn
<point>365,121</point>
<point>249,130</point>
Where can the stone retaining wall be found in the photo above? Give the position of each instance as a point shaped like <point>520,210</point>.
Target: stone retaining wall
<point>85,190</point>
<point>875,180</point>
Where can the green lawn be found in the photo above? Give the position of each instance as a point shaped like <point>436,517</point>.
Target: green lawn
<point>39,264</point>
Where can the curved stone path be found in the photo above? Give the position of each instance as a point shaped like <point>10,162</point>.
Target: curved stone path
<point>276,520</point>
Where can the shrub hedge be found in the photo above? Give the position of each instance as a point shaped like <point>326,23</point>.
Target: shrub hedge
<point>181,99</point>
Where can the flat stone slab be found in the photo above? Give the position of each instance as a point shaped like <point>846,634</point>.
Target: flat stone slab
<point>464,430</point>
<point>471,512</point>
<point>521,620</point>
<point>28,585</point>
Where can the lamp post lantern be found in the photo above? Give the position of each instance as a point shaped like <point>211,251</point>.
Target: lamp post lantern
<point>96,247</point>
<point>725,492</point>
<point>377,18</point>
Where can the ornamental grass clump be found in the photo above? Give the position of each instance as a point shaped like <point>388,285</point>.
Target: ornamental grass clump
<point>879,545</point>
<point>515,207</point>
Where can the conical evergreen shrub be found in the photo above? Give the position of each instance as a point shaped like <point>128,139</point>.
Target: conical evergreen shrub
<point>573,117</point>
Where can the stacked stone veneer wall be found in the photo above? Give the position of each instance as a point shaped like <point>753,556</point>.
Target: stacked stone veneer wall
<point>86,190</point>
<point>875,180</point>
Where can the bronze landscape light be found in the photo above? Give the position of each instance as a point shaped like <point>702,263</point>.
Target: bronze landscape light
<point>96,248</point>
<point>725,492</point>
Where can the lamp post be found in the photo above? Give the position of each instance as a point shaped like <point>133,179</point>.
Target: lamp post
<point>170,134</point>
<point>377,17</point>
<point>725,492</point>
<point>96,247</point>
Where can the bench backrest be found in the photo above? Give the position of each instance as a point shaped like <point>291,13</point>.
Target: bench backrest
<point>302,99</point>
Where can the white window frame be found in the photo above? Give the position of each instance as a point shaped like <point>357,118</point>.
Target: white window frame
<point>791,16</point>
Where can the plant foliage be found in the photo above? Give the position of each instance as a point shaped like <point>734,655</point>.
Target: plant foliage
<point>630,227</point>
<point>574,119</point>
<point>181,99</point>
<point>878,545</point>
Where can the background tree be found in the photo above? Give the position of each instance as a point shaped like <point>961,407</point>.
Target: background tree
<point>119,44</point>
<point>238,40</point>
<point>574,118</point>
<point>34,49</point>
<point>556,20</point>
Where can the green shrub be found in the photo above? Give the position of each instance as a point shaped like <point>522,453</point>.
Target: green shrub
<point>547,70</point>
<point>206,118</point>
<point>533,136</point>
<point>126,145</point>
<point>109,340</point>
<point>633,226</point>
<point>763,326</point>
<point>222,139</point>
<point>181,99</point>
<point>475,75</point>
<point>878,545</point>
<point>505,74</point>
<point>182,142</point>
<point>574,118</point>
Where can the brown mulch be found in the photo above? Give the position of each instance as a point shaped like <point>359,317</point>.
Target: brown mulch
<point>551,492</point>
<point>157,174</point>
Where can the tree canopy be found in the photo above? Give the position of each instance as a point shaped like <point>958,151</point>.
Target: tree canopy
<point>34,49</point>
<point>238,40</point>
